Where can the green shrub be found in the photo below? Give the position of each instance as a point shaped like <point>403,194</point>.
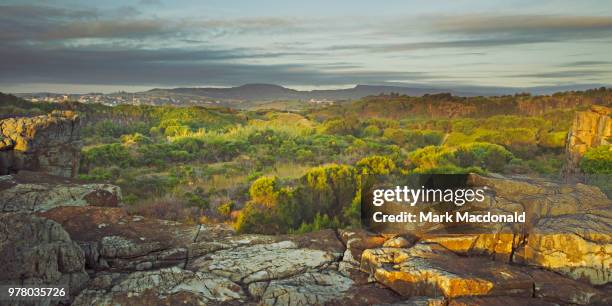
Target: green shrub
<point>341,126</point>
<point>554,140</point>
<point>321,221</point>
<point>265,191</point>
<point>106,156</point>
<point>225,209</point>
<point>484,155</point>
<point>376,165</point>
<point>372,131</point>
<point>136,138</point>
<point>597,160</point>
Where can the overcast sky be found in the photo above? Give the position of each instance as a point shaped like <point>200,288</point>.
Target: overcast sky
<point>82,46</point>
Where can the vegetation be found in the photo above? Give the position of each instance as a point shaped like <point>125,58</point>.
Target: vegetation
<point>268,171</point>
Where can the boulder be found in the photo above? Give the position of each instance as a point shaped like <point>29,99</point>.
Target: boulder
<point>37,251</point>
<point>49,144</point>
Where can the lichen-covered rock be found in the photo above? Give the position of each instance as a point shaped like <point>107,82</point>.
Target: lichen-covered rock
<point>247,264</point>
<point>578,246</point>
<point>496,245</point>
<point>538,198</point>
<point>311,288</point>
<point>112,239</point>
<point>49,144</point>
<point>32,192</point>
<point>170,286</point>
<point>35,251</point>
<point>431,270</point>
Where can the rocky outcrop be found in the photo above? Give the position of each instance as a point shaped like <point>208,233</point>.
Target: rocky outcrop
<point>171,286</point>
<point>579,246</point>
<point>114,240</point>
<point>560,256</point>
<point>37,251</point>
<point>311,288</point>
<point>48,144</point>
<point>155,262</point>
<point>432,270</point>
<point>590,128</point>
<point>32,192</point>
<point>275,260</point>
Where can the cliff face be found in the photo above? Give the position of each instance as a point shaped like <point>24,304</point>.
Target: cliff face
<point>49,144</point>
<point>591,128</point>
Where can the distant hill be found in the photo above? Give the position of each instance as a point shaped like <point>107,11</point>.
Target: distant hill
<point>270,92</point>
<point>266,92</point>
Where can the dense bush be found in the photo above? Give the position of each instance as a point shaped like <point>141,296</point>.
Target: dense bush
<point>106,156</point>
<point>376,165</point>
<point>597,160</point>
<point>484,155</point>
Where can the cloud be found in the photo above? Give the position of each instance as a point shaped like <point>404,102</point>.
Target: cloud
<point>45,23</point>
<point>587,63</point>
<point>487,24</point>
<point>42,23</point>
<point>126,46</point>
<point>474,31</point>
<point>17,12</point>
<point>170,67</point>
<point>468,43</point>
<point>584,73</point>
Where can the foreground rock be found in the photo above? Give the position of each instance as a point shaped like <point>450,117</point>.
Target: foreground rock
<point>499,301</point>
<point>49,144</point>
<point>311,288</point>
<point>114,240</point>
<point>134,260</point>
<point>579,246</point>
<point>31,192</point>
<point>37,251</point>
<point>272,261</point>
<point>171,286</point>
<point>431,270</point>
<point>554,287</point>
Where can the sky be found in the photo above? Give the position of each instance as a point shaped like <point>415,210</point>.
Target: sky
<point>132,45</point>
